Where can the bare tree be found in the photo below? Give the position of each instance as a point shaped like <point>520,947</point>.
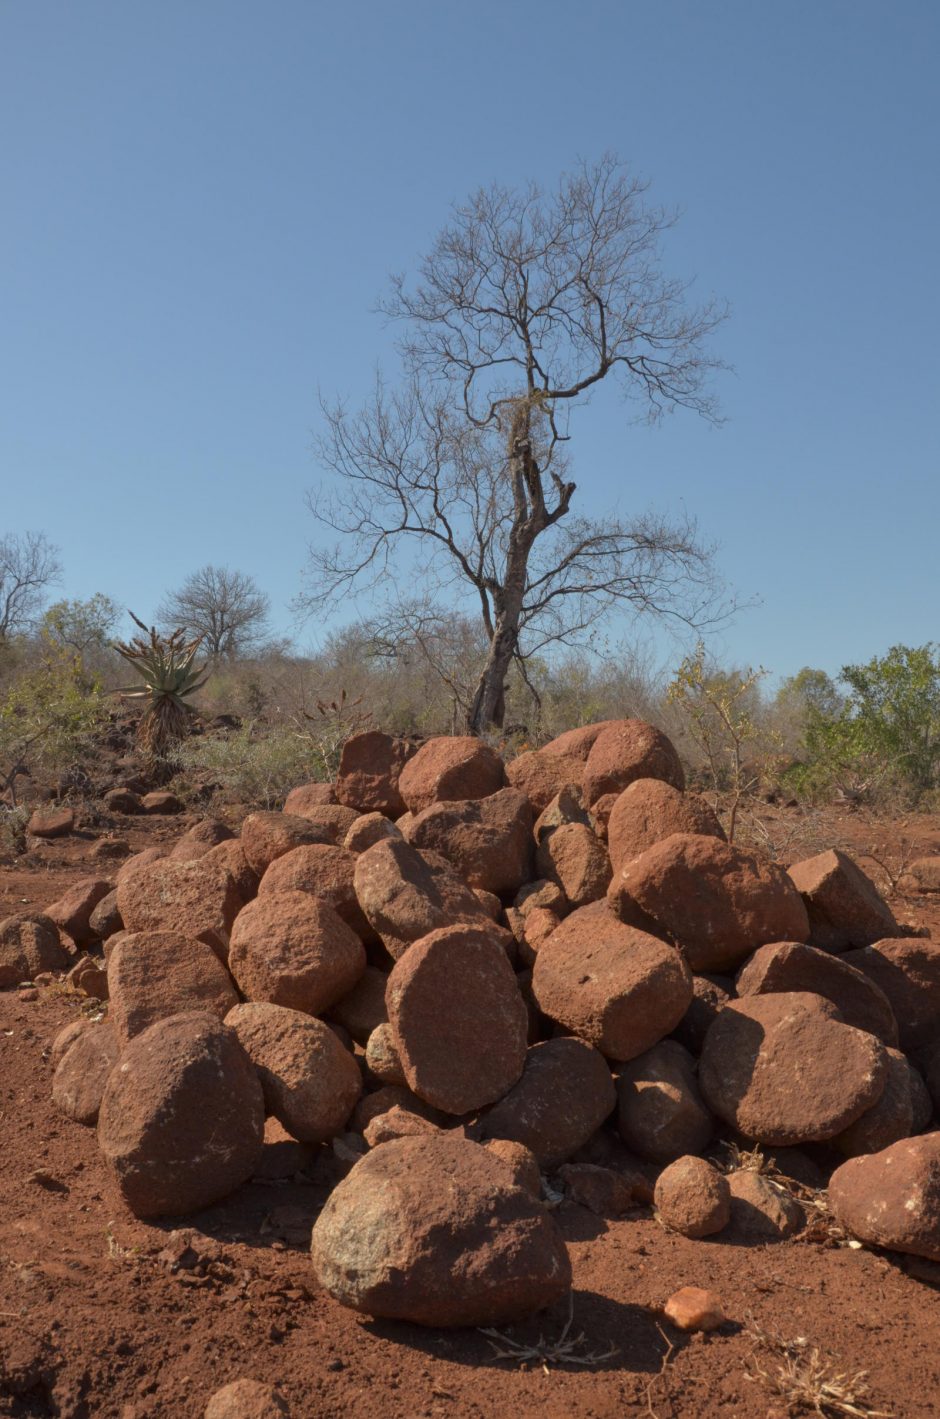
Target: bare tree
<point>524,304</point>
<point>226,608</point>
<point>29,565</point>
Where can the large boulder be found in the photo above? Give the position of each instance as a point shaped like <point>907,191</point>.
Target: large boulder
<point>311,1084</point>
<point>194,898</point>
<point>29,945</point>
<point>309,795</point>
<point>267,836</point>
<point>907,970</point>
<point>563,1096</point>
<point>578,743</point>
<point>718,903</point>
<point>369,829</point>
<point>626,750</point>
<point>406,894</point>
<point>661,1114</point>
<point>785,1069</point>
<point>540,776</point>
<point>649,810</point>
<point>231,856</point>
<point>447,768</point>
<point>369,769</point>
<point>436,1231</point>
<point>152,974</point>
<point>291,948</point>
<point>573,857</point>
<point>845,907</point>
<point>201,838</point>
<point>82,1072</point>
<point>791,965</point>
<point>458,1018</point>
<point>488,840</point>
<point>181,1123</point>
<point>892,1198</point>
<point>890,1118</point>
<point>325,870</point>
<point>611,984</point>
<point>72,911</point>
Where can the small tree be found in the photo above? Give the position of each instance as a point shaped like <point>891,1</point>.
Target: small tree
<point>525,303</point>
<point>718,711</point>
<point>226,609</point>
<point>29,565</point>
<point>884,732</point>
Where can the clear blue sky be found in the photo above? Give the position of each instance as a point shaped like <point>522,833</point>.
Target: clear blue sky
<point>202,200</point>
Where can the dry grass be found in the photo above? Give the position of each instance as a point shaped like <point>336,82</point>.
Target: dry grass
<point>806,1379</point>
<point>562,1351</point>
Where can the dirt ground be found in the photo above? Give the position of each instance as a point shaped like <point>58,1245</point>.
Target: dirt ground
<point>97,1320</point>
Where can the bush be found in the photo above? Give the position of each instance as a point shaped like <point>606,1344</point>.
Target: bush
<point>48,717</point>
<point>256,765</point>
<point>883,739</point>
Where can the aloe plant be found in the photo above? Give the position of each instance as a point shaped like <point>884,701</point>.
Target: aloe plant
<point>166,665</point>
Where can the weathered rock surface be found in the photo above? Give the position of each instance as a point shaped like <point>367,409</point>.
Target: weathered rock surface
<point>105,920</point>
<point>610,984</point>
<point>845,907</point>
<point>693,1197</point>
<point>790,965</point>
<point>540,776</point>
<point>761,1211</point>
<point>291,948</point>
<point>785,1069</point>
<point>267,836</point>
<point>601,1190</point>
<point>458,1018</point>
<point>574,857</point>
<point>200,839</point>
<point>892,1199</point>
<point>447,768</point>
<point>230,855</point>
<point>404,895</point>
<point>889,1119</point>
<point>371,828</point>
<point>718,903</point>
<point>649,810</point>
<point>152,974</point>
<point>907,970</point>
<point>325,870</point>
<point>435,1231</point>
<point>578,743</point>
<point>82,1072</point>
<point>369,769</point>
<point>487,840</point>
<point>29,945</point>
<point>382,1057</point>
<point>660,1110</point>
<point>311,1084</point>
<point>51,822</point>
<point>563,1096</point>
<point>181,1123</point>
<point>72,911</point>
<point>195,898</point>
<point>247,1399</point>
<point>626,750</point>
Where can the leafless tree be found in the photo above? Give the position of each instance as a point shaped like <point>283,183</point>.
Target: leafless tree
<point>226,608</point>
<point>524,304</point>
<point>29,565</point>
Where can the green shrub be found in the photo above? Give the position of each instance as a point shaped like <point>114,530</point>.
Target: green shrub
<point>256,765</point>
<point>48,717</point>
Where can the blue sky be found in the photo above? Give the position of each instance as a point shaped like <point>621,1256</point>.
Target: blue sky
<point>202,201</point>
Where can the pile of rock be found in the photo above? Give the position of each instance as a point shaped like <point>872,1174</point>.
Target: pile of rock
<point>468,974</point>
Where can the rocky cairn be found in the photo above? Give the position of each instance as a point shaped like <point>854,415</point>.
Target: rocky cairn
<point>453,976</point>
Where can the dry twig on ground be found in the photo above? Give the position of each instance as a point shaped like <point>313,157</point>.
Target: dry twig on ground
<point>548,1352</point>
<point>806,1379</point>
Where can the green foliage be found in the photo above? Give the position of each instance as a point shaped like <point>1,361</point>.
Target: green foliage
<point>883,736</point>
<point>166,665</point>
<point>256,765</point>
<point>81,626</point>
<point>48,717</point>
<point>720,709</point>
